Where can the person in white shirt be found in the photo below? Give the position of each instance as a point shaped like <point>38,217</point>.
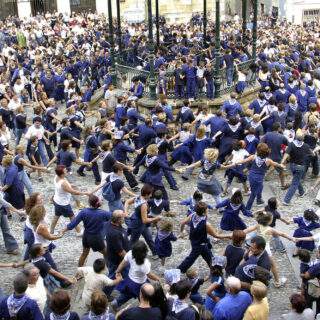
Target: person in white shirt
<point>36,289</point>
<point>95,279</point>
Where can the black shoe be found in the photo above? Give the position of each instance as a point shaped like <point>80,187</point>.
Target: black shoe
<point>174,188</point>
<point>185,178</point>
<point>80,173</point>
<point>135,189</point>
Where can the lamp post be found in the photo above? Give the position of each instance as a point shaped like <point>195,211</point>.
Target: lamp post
<point>119,27</point>
<point>244,17</point>
<point>152,79</point>
<point>157,24</point>
<point>217,55</point>
<point>254,29</point>
<point>204,22</point>
<point>112,69</point>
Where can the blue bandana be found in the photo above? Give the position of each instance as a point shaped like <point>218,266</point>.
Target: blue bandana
<point>15,304</point>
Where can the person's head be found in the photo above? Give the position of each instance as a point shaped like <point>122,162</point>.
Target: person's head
<point>139,252</point>
<point>299,135</point>
<point>201,132</point>
<point>310,215</point>
<point>65,145</point>
<point>20,283</point>
<point>60,171</point>
<point>272,204</point>
<point>32,273</point>
<point>159,298</point>
<point>263,150</point>
<point>197,196</point>
<point>99,265</point>
<point>257,246</point>
<point>37,214</point>
<point>261,274</point>
<point>192,273</point>
<point>36,250</point>
<point>233,121</point>
<point>60,302</point>
<point>238,237</point>
<point>106,145</point>
<point>298,302</point>
<point>152,150</point>
<point>201,208</point>
<point>35,198</point>
<point>37,121</point>
<point>146,191</point>
<point>304,255</point>
<point>146,293</point>
<point>158,194</point>
<point>117,168</point>
<point>233,285</point>
<point>258,290</point>
<point>211,154</point>
<point>263,218</point>
<point>7,160</point>
<point>236,197</point>
<point>165,225</point>
<point>94,201</point>
<point>183,289</point>
<point>117,217</point>
<point>217,266</point>
<point>276,126</point>
<point>99,303</point>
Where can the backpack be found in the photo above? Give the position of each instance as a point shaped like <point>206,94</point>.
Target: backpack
<point>107,192</point>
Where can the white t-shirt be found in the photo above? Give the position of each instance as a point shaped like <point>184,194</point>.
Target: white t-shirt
<point>92,281</point>
<point>137,273</point>
<point>238,155</point>
<point>38,293</point>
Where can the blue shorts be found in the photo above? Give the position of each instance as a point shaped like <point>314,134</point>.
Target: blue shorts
<point>93,241</point>
<point>65,211</point>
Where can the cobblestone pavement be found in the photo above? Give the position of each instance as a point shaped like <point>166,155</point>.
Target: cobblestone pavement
<point>69,247</point>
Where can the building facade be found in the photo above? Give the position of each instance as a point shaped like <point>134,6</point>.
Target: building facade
<point>299,11</point>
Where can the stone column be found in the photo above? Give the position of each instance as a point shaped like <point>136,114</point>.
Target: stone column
<point>63,6</point>
<point>102,6</point>
<point>24,8</point>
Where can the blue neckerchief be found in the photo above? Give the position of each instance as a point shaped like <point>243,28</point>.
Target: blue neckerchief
<point>15,304</point>
<point>114,177</point>
<point>259,161</point>
<point>195,219</point>
<point>179,306</point>
<point>163,235</point>
<point>138,201</point>
<point>150,160</point>
<point>235,206</point>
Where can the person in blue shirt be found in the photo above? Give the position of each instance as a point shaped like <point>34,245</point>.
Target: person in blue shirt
<point>232,107</point>
<point>229,63</point>
<point>302,98</point>
<point>137,88</point>
<point>185,114</point>
<point>282,94</point>
<point>191,75</point>
<point>93,220</point>
<point>18,305</point>
<point>179,76</point>
<point>120,111</point>
<point>216,122</point>
<point>234,304</point>
<point>48,82</point>
<point>59,78</point>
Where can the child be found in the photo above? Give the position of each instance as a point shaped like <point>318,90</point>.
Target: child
<point>239,153</point>
<point>234,252</point>
<point>157,204</point>
<point>191,202</point>
<point>231,208</point>
<point>163,240</point>
<point>306,224</point>
<point>272,208</point>
<point>34,155</point>
<point>196,282</point>
<point>251,141</point>
<point>241,83</point>
<point>51,277</point>
<point>95,279</point>
<point>216,290</point>
<point>305,258</point>
<point>263,229</point>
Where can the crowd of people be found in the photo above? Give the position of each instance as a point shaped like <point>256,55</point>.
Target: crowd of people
<point>50,68</point>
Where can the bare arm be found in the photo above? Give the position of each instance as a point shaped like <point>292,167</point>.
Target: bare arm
<point>43,231</point>
<point>153,276</point>
<point>144,215</point>
<point>212,232</point>
<point>67,188</point>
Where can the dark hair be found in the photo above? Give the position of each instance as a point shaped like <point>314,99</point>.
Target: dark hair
<point>60,302</point>
<point>201,208</point>
<point>99,302</point>
<point>94,201</point>
<point>276,126</point>
<point>236,198</point>
<point>263,150</point>
<point>233,121</point>
<point>139,252</point>
<point>31,202</point>
<point>20,283</point>
<point>158,194</point>
<point>182,289</point>
<point>262,274</point>
<point>60,170</point>
<point>298,302</point>
<point>64,121</point>
<point>304,255</point>
<point>146,190</point>
<point>259,241</point>
<point>216,271</point>
<point>197,196</point>
<point>238,236</point>
<point>99,265</point>
<point>65,144</point>
<point>272,204</point>
<point>117,167</point>
<point>35,250</point>
<point>159,299</point>
<point>310,215</point>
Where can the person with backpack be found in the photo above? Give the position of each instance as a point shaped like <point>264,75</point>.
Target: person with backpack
<point>113,187</point>
<point>93,220</point>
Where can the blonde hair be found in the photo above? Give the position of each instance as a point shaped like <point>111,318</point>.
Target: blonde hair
<point>258,290</point>
<point>292,99</point>
<point>211,154</point>
<point>152,150</point>
<point>201,132</point>
<point>7,160</point>
<point>36,215</point>
<point>248,113</point>
<point>191,273</point>
<point>256,117</point>
<point>165,225</point>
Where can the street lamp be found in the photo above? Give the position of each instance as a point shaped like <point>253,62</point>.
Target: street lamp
<point>152,79</point>
<point>254,29</point>
<point>112,69</point>
<point>157,24</point>
<point>217,77</point>
<point>244,18</point>
<point>119,27</point>
<point>204,22</point>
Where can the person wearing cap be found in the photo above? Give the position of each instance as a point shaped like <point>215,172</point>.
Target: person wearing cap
<point>297,153</point>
